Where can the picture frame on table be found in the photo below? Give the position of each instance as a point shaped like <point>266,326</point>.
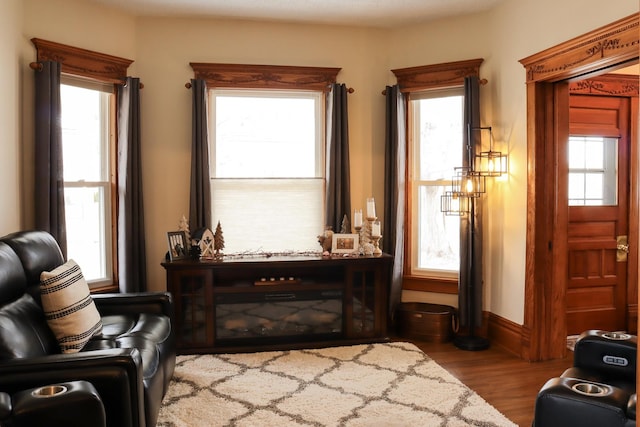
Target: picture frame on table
<point>345,243</point>
<point>178,248</point>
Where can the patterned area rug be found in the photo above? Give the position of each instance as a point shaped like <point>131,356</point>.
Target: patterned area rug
<point>390,384</point>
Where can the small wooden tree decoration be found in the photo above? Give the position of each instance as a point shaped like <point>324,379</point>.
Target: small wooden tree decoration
<point>345,227</point>
<point>218,240</point>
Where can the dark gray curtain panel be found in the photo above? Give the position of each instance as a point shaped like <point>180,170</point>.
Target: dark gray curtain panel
<point>49,176</point>
<point>394,189</point>
<point>470,279</point>
<point>132,262</point>
<point>338,186</point>
<point>200,185</point>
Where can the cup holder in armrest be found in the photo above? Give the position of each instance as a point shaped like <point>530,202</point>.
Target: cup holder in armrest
<point>616,336</point>
<point>569,401</point>
<point>591,389</point>
<point>49,390</point>
<point>65,404</point>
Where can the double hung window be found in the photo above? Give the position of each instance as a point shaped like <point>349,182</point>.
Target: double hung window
<point>266,134</point>
<point>435,131</point>
<point>267,168</point>
<point>436,124</point>
<point>87,122</point>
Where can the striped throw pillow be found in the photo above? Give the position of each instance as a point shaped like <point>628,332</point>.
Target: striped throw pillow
<point>68,307</point>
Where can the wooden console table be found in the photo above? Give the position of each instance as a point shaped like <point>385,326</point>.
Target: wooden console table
<point>278,302</point>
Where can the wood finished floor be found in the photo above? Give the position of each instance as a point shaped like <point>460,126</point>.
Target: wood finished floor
<point>508,383</point>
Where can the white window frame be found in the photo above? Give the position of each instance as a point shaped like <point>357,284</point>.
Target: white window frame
<point>415,183</point>
<point>608,172</point>
<point>107,102</point>
<point>313,229</point>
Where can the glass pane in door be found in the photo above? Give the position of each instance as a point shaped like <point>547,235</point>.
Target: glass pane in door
<point>593,171</point>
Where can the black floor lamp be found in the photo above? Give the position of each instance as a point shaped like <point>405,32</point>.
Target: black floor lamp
<point>468,186</point>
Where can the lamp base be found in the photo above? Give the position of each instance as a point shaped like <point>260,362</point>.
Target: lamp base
<point>470,343</point>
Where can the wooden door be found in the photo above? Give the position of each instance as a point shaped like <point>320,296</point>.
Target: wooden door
<point>598,213</point>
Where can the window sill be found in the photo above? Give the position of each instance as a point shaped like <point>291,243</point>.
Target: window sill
<point>430,284</point>
<point>104,289</point>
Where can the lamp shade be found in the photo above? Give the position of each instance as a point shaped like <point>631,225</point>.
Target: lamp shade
<point>468,183</point>
<point>491,163</point>
<point>454,204</point>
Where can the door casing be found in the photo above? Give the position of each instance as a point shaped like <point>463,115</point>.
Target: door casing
<point>548,76</point>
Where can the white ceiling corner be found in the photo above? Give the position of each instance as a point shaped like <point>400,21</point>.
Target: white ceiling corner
<point>373,13</point>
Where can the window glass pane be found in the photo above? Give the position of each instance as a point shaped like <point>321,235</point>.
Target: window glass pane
<point>82,134</point>
<point>266,136</point>
<point>594,153</point>
<point>440,135</point>
<point>576,153</point>
<point>593,171</point>
<point>593,186</point>
<point>85,229</point>
<point>576,186</point>
<point>437,146</point>
<point>439,234</point>
<point>268,169</point>
<point>85,144</point>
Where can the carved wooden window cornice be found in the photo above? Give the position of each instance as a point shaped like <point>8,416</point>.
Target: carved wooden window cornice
<point>82,62</point>
<point>436,76</point>
<point>265,76</point>
<point>608,85</point>
<point>610,45</point>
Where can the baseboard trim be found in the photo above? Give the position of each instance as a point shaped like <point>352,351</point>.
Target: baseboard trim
<point>506,334</point>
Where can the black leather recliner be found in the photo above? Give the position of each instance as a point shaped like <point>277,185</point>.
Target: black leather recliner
<point>599,390</point>
<point>130,363</point>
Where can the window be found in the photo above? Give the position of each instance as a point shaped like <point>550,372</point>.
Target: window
<point>266,142</point>
<point>87,96</point>
<point>435,129</point>
<point>593,175</point>
<point>267,168</point>
<point>87,114</point>
<point>436,124</point>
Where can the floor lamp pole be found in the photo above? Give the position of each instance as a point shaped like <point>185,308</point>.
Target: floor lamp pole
<point>471,342</point>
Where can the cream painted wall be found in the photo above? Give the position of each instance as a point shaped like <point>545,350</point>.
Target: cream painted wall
<point>162,49</point>
<point>10,27</point>
<point>165,48</point>
<point>513,31</point>
<point>79,23</point>
<point>75,23</point>
<point>520,29</point>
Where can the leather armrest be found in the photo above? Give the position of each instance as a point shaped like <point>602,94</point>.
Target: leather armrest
<point>70,404</point>
<point>115,373</point>
<point>5,405</point>
<point>143,302</point>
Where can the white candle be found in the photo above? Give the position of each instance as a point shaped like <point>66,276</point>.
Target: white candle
<point>375,229</point>
<point>357,218</point>
<point>371,208</point>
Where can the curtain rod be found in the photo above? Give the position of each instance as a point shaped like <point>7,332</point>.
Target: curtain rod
<point>188,86</point>
<point>482,83</point>
<point>37,66</point>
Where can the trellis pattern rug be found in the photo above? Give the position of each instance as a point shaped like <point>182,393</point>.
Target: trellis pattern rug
<point>388,384</point>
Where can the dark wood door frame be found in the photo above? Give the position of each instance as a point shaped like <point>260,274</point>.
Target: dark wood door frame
<point>548,76</point>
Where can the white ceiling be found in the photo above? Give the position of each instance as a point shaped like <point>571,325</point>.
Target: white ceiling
<point>374,13</point>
